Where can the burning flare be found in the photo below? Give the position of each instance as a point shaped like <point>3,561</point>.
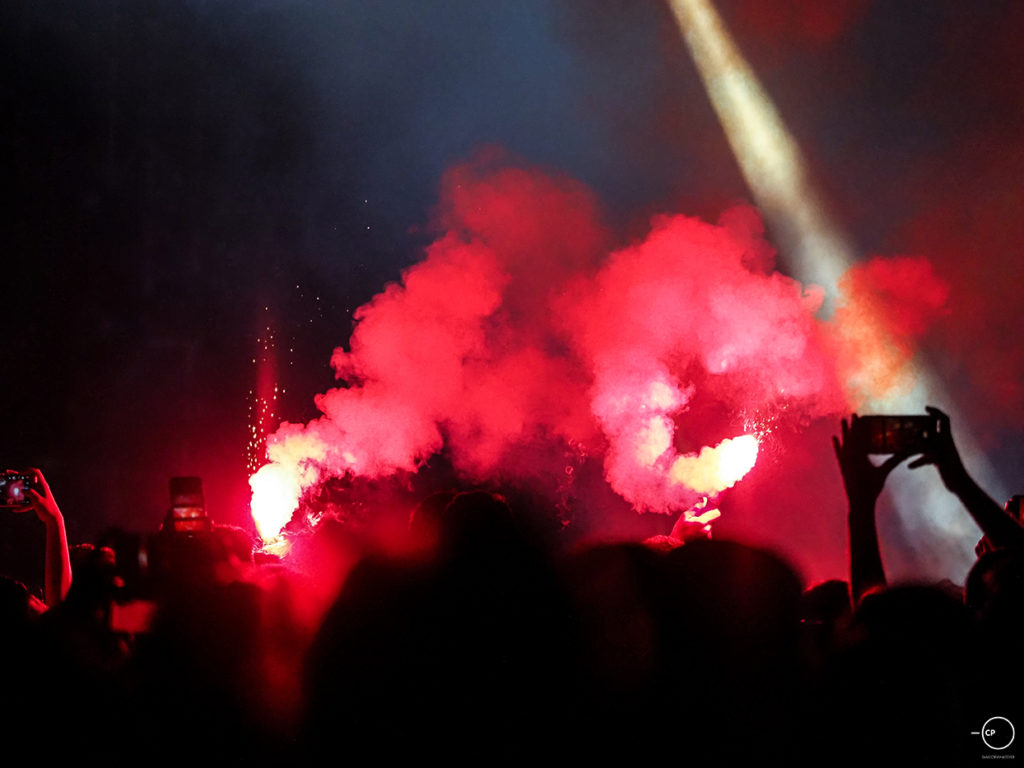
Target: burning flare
<point>715,469</point>
<point>276,489</point>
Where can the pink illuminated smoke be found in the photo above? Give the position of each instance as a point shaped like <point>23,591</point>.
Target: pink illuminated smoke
<point>520,327</point>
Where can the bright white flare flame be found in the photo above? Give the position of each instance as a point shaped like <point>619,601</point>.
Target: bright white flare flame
<point>275,495</point>
<point>715,469</point>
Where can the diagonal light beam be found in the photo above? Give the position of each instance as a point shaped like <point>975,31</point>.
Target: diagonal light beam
<point>769,158</point>
<point>818,251</point>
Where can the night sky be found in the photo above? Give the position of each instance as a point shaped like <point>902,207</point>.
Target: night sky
<point>184,174</point>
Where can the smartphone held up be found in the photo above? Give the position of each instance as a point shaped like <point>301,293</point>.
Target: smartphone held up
<point>15,487</point>
<point>895,434</point>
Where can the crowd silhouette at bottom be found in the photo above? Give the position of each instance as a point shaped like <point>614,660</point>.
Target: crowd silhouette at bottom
<point>486,646</point>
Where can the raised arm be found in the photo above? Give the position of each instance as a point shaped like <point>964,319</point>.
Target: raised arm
<point>58,559</point>
<point>863,482</point>
<point>997,525</point>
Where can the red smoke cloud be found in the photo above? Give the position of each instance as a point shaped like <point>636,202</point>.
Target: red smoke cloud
<point>667,360</point>
<point>886,306</point>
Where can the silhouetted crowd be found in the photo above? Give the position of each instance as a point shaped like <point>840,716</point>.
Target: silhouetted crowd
<point>483,644</point>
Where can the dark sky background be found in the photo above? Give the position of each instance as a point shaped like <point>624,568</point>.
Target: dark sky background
<point>181,174</point>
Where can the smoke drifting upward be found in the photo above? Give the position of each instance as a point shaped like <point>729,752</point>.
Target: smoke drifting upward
<point>669,360</point>
<point>886,306</point>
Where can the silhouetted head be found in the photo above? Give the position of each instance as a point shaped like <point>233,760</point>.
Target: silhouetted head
<point>14,603</point>
<point>994,593</point>
<point>731,605</point>
<point>919,622</point>
<point>826,602</point>
<point>95,581</point>
<point>476,522</point>
<point>425,520</point>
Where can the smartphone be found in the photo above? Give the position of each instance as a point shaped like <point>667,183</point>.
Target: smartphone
<point>14,488</point>
<point>895,434</point>
<point>188,506</point>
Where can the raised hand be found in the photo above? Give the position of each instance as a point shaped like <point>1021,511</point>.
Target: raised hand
<point>862,479</point>
<point>42,503</point>
<point>58,559</point>
<point>942,452</point>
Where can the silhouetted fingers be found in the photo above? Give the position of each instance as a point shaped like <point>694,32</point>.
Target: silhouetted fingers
<point>920,462</point>
<point>941,416</point>
<point>893,461</point>
<point>33,498</point>
<point>844,428</point>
